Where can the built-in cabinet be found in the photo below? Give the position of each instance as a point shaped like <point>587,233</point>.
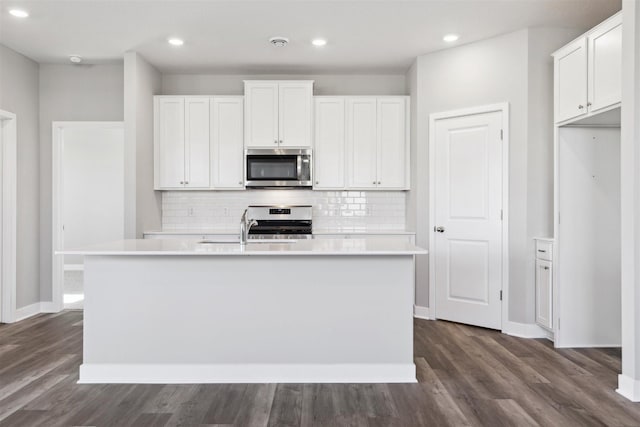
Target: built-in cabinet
<point>544,282</point>
<point>198,143</point>
<point>329,142</point>
<point>578,289</point>
<point>182,142</point>
<point>377,143</point>
<point>278,113</point>
<point>361,143</point>
<point>588,72</point>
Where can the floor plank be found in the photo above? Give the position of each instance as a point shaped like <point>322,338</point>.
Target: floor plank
<point>467,376</point>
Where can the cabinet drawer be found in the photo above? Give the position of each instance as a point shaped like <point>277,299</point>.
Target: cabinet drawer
<point>544,250</point>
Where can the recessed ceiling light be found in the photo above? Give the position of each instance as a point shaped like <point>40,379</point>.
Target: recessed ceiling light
<point>279,41</point>
<point>175,41</point>
<point>450,38</point>
<point>319,42</point>
<point>19,13</point>
<point>76,59</point>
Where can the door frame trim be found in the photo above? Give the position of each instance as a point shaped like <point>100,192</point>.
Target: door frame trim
<point>502,107</point>
<point>57,241</point>
<point>8,217</point>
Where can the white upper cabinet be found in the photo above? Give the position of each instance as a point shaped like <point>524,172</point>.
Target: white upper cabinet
<point>605,64</point>
<point>278,113</point>
<point>588,76</point>
<point>329,143</point>
<point>362,140</point>
<point>392,143</point>
<point>294,106</point>
<point>227,144</point>
<point>261,114</point>
<point>571,81</point>
<point>169,143</point>
<point>377,143</point>
<point>196,142</point>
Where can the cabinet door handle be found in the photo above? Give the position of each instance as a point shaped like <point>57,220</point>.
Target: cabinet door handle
<point>439,229</point>
<point>580,107</point>
<point>546,268</point>
<point>588,104</point>
<point>541,250</point>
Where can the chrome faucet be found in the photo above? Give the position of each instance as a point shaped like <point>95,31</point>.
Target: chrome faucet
<point>245,226</point>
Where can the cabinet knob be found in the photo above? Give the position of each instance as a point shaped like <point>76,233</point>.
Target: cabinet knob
<point>580,107</point>
<point>275,142</point>
<point>181,182</point>
<point>546,268</point>
<point>240,182</point>
<point>379,183</point>
<point>588,104</point>
<point>186,182</point>
<point>317,183</point>
<point>374,183</point>
<point>280,142</point>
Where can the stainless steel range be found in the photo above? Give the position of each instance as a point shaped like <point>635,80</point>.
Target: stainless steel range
<point>280,222</point>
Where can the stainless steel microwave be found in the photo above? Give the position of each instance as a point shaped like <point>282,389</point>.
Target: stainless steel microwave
<point>278,168</point>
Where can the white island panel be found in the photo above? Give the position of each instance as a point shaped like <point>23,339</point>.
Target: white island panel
<point>263,318</point>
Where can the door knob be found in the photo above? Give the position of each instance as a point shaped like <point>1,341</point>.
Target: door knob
<point>439,229</point>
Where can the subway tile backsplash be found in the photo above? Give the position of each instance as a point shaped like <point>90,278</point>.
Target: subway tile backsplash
<point>347,211</point>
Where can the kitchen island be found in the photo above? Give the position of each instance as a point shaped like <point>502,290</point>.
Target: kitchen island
<point>182,311</point>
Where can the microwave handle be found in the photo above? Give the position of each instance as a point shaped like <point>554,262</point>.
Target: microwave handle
<point>299,166</point>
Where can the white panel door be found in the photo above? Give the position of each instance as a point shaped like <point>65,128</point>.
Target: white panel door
<point>468,203</point>
<point>261,114</point>
<point>227,157</point>
<point>294,106</point>
<point>170,143</point>
<point>571,81</point>
<point>605,66</point>
<point>197,142</point>
<point>392,143</point>
<point>361,142</point>
<point>544,293</point>
<point>329,143</point>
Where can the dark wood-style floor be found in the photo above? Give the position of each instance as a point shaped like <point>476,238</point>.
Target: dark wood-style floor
<point>467,376</point>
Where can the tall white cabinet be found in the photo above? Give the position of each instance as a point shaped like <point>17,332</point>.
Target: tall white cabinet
<point>278,113</point>
<point>329,142</point>
<point>198,143</point>
<point>578,296</point>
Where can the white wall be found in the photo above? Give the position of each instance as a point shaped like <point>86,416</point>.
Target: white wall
<point>70,93</point>
<point>324,84</point>
<point>19,95</point>
<point>143,204</point>
<point>511,68</point>
<point>629,380</point>
<point>93,187</point>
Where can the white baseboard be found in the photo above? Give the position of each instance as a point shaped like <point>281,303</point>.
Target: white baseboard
<point>526,330</point>
<point>26,311</point>
<point>99,373</point>
<point>422,312</point>
<point>629,388</point>
<point>74,267</point>
<point>33,309</point>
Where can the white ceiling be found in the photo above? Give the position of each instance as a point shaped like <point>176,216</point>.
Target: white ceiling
<point>232,36</point>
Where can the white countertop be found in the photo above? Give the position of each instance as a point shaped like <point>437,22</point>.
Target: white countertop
<point>369,246</point>
<point>320,232</point>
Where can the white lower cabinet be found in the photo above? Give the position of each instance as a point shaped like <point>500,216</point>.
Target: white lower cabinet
<point>544,284</point>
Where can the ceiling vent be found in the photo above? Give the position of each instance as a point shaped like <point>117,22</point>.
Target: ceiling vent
<point>279,41</point>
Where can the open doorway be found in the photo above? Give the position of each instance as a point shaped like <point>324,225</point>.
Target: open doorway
<point>88,198</point>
